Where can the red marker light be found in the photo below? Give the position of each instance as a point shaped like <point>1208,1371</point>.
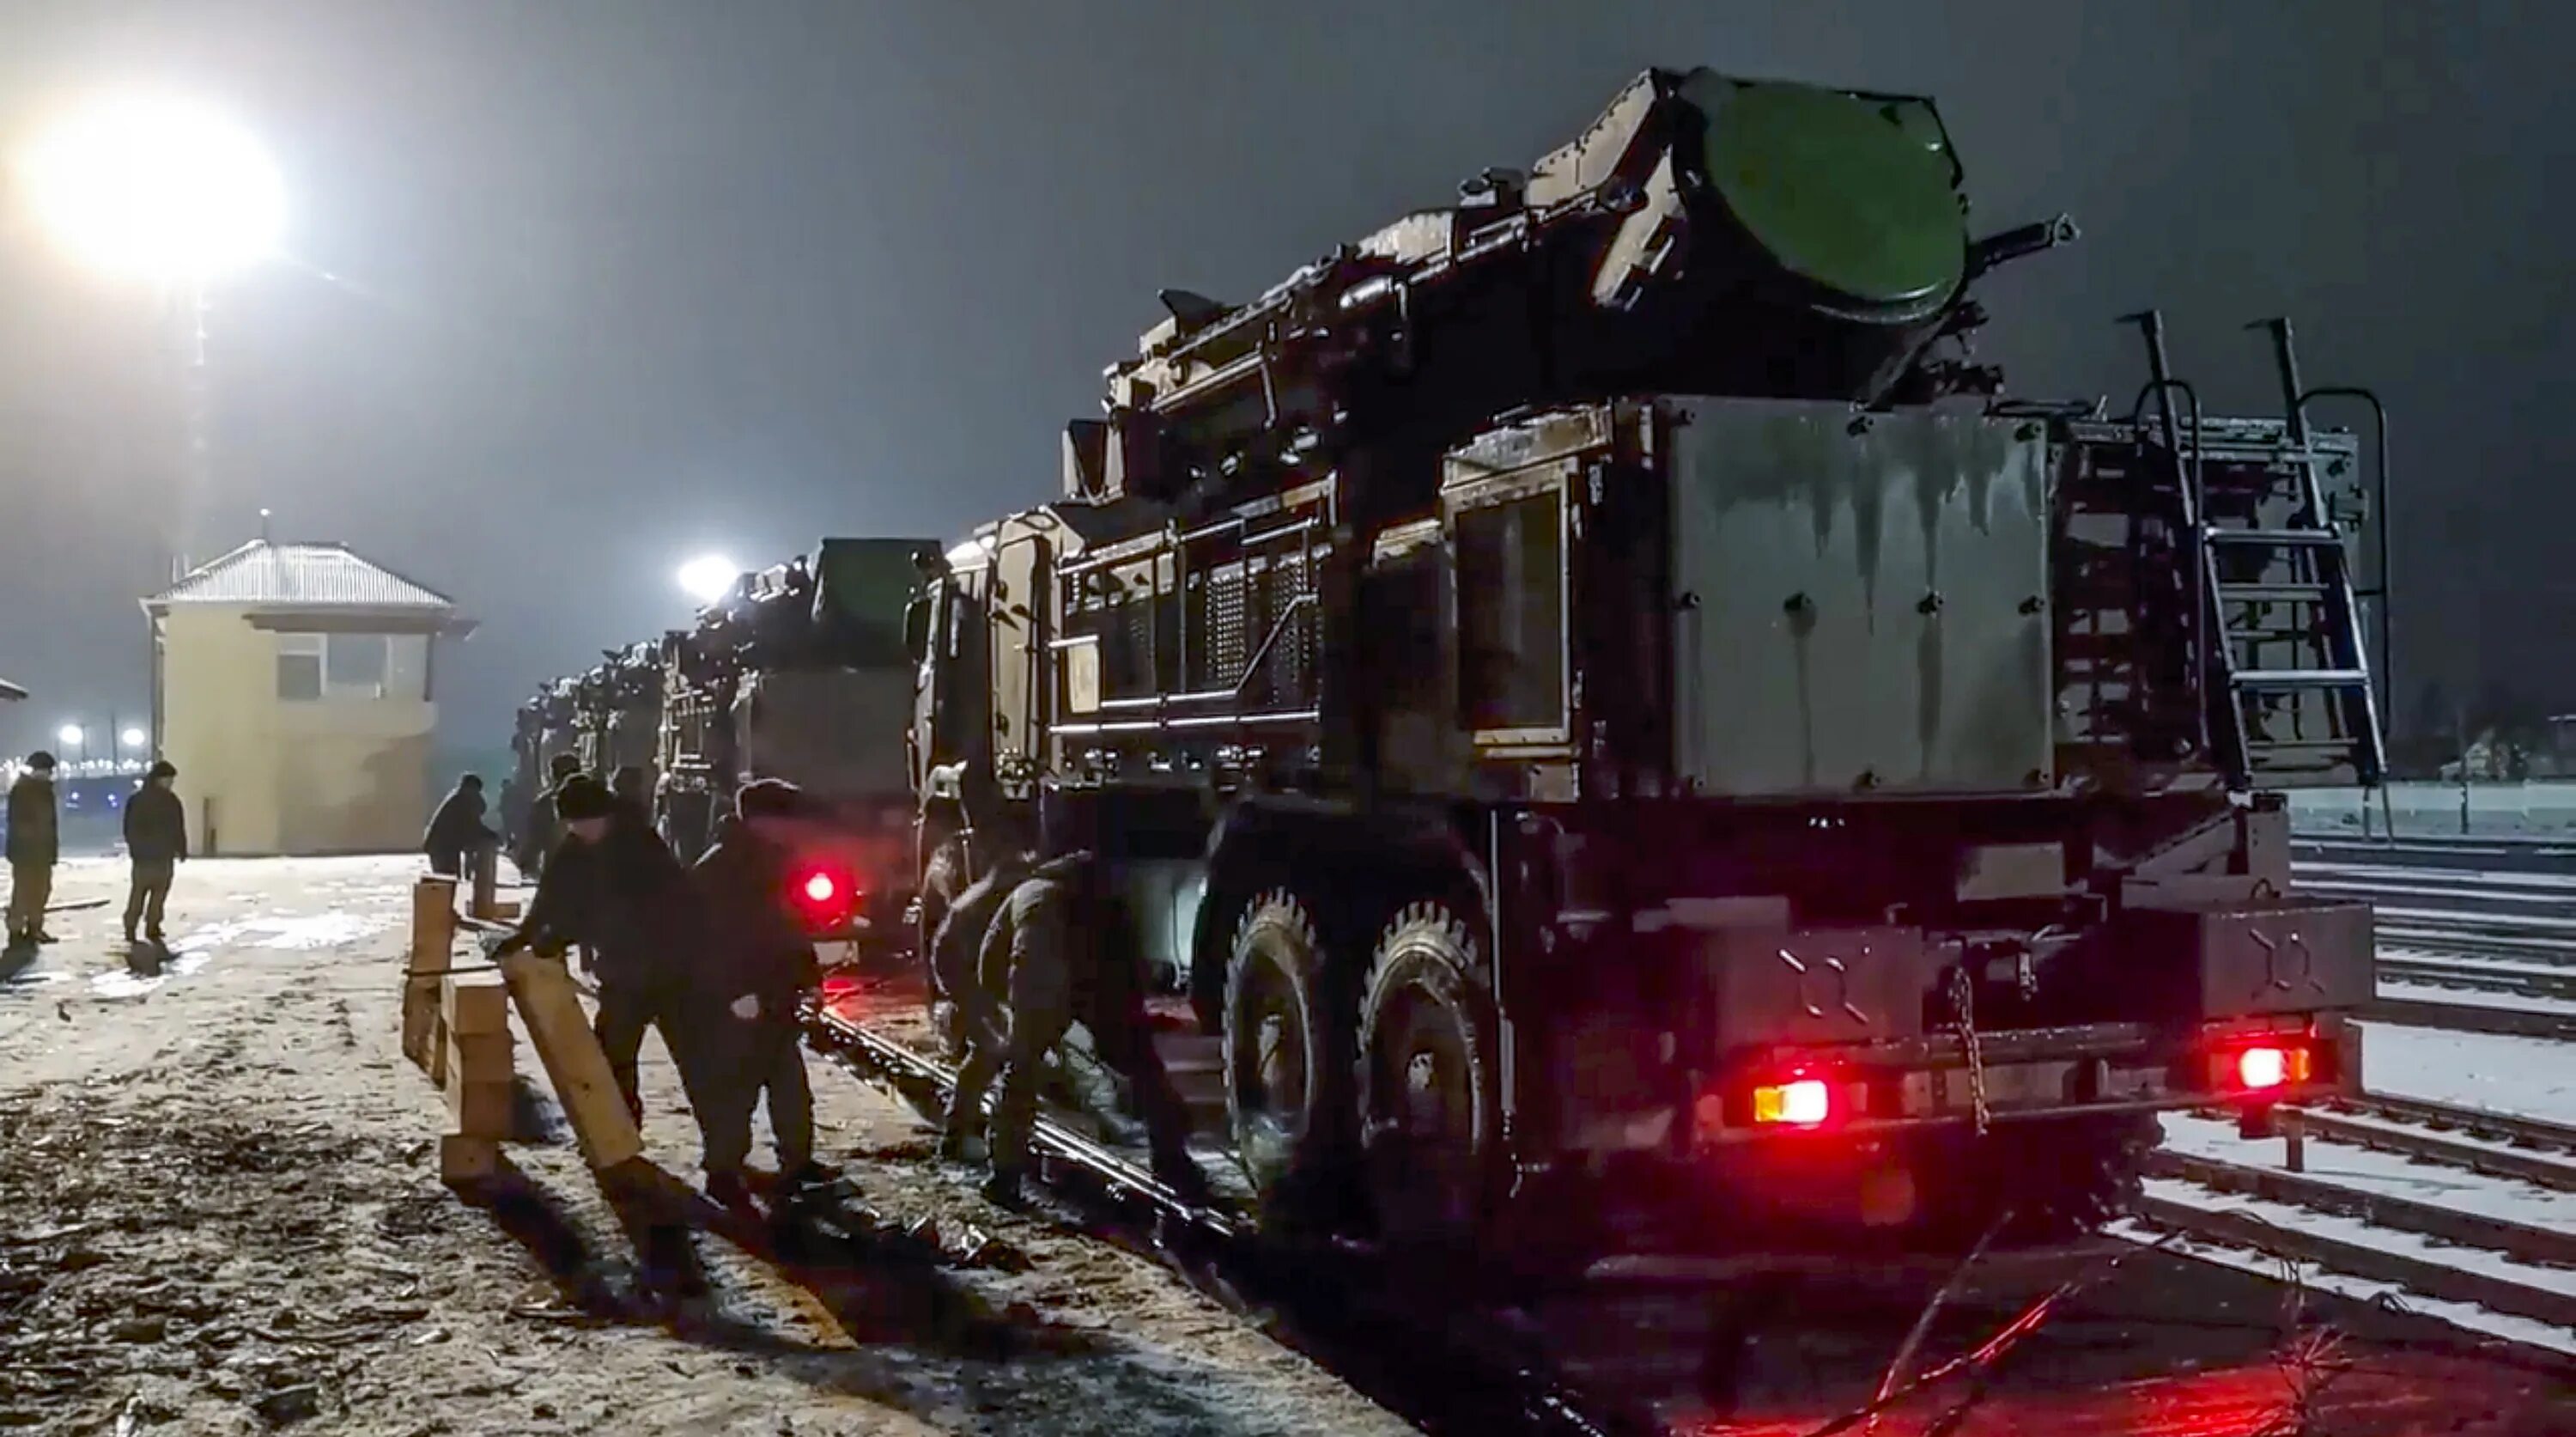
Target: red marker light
<point>821,888</point>
<point>1803,1103</point>
<point>2260,1068</point>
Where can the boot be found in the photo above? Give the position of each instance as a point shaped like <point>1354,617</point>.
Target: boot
<point>727,1190</point>
<point>1005,1189</point>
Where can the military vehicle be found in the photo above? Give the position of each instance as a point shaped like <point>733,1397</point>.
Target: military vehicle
<point>801,673</point>
<point>618,712</point>
<point>1594,680</point>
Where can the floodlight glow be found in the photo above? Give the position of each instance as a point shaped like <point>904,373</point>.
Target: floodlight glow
<point>69,735</point>
<point>708,577</point>
<point>135,738</point>
<point>156,188</point>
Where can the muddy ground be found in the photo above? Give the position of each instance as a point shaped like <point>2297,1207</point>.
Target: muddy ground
<point>219,1214</point>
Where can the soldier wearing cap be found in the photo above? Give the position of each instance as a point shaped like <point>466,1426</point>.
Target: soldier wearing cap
<point>35,844</point>
<point>613,886</point>
<point>764,969</point>
<point>156,843</point>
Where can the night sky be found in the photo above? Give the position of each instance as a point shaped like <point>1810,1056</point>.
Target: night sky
<point>578,289</point>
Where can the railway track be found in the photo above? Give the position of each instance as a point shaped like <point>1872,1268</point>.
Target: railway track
<point>1662,1339</point>
<point>2475,935</point>
<point>1457,1368</point>
<point>2498,1237</point>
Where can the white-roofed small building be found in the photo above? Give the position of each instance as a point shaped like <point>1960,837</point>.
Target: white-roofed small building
<point>295,687</point>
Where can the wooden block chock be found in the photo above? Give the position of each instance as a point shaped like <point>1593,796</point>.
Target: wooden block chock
<point>433,935</point>
<point>574,1062</point>
<point>466,1159</point>
<point>473,1040</point>
<point>487,883</point>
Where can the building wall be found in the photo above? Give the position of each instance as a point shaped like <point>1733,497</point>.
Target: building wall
<point>330,775</point>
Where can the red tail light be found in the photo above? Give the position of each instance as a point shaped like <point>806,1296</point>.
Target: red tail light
<point>2262,1067</point>
<point>1800,1102</point>
<point>825,895</point>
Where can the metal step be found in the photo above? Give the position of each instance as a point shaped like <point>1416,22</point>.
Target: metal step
<point>2275,538</point>
<point>2290,680</point>
<point>2273,593</point>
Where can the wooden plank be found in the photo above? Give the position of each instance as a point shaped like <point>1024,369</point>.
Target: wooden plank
<point>463,1159</point>
<point>437,1065</point>
<point>481,1110</point>
<point>433,933</point>
<point>487,878</point>
<point>475,1002</point>
<point>574,1063</point>
<point>478,1058</point>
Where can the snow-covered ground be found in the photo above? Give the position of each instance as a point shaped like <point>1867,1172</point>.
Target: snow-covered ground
<point>2531,1076</point>
<point>2433,809</point>
<point>219,1214</point>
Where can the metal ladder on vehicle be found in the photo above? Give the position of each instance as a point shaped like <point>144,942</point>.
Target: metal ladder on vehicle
<point>2285,628</point>
<point>2287,677</point>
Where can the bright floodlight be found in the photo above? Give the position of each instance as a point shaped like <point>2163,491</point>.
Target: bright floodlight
<point>69,735</point>
<point>135,738</point>
<point>707,577</point>
<point>155,188</point>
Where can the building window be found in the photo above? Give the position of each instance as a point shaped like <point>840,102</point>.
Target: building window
<point>354,665</point>
<point>299,667</point>
<point>312,667</point>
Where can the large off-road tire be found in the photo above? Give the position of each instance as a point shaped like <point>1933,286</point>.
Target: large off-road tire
<point>1287,1055</point>
<point>1430,1076</point>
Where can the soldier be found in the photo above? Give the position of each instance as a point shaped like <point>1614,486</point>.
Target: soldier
<point>545,828</point>
<point>457,828</point>
<point>1060,950</point>
<point>156,842</point>
<point>614,887</point>
<point>766,969</point>
<point>957,1000</point>
<point>35,843</point>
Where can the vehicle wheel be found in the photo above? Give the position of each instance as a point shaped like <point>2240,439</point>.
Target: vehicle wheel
<point>1287,1045</point>
<point>1430,1099</point>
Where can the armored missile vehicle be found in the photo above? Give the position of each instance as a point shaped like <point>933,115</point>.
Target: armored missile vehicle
<point>1594,684</point>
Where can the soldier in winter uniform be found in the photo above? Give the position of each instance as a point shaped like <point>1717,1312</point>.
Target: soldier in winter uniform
<point>156,842</point>
<point>457,828</point>
<point>1061,951</point>
<point>35,844</point>
<point>958,1000</point>
<point>545,825</point>
<point>765,968</point>
<point>613,886</point>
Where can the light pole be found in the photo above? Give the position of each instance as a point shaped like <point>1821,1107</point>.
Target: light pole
<point>160,190</point>
<point>71,736</point>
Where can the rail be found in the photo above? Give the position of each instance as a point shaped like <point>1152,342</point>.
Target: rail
<point>1338,1297</point>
